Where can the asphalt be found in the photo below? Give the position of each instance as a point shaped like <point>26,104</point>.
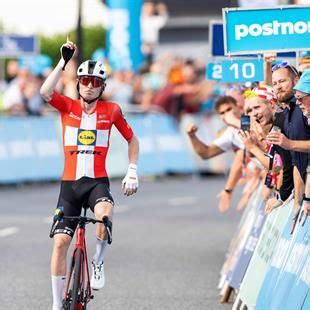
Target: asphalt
<point>169,243</point>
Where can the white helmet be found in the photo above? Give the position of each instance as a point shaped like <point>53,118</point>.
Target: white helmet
<point>92,68</point>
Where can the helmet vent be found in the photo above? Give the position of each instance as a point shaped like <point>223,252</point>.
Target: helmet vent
<point>101,72</point>
<point>91,67</point>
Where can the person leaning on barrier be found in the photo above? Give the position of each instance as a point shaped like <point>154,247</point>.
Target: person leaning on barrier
<point>260,104</point>
<point>228,111</point>
<point>87,124</point>
<point>295,125</point>
<point>302,96</point>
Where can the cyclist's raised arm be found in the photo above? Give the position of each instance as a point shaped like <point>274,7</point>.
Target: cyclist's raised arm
<point>47,89</point>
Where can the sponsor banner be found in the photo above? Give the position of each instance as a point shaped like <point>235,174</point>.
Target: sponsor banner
<point>243,226</point>
<point>16,45</point>
<point>286,28</point>
<point>216,39</point>
<point>246,251</point>
<point>289,272</point>
<point>30,149</point>
<point>263,253</point>
<point>236,71</point>
<point>123,39</point>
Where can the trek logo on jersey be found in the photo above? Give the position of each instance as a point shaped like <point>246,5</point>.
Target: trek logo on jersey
<point>86,137</point>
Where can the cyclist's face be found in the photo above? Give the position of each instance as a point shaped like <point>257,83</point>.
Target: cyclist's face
<point>90,87</point>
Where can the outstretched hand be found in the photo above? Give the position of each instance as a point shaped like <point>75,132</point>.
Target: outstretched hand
<point>67,51</point>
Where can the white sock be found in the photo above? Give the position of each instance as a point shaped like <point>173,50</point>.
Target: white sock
<point>58,284</point>
<point>100,249</point>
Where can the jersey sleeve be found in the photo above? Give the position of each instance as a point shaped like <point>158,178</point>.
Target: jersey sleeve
<point>61,103</point>
<point>121,124</point>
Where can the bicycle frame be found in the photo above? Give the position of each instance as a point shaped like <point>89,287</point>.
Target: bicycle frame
<point>85,281</point>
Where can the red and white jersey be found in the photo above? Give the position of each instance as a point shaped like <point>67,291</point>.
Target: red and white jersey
<point>86,136</point>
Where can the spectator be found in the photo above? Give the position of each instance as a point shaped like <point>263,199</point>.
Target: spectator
<point>295,125</point>
<point>22,96</point>
<point>153,18</point>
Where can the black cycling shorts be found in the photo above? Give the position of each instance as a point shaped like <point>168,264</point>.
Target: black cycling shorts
<point>85,192</point>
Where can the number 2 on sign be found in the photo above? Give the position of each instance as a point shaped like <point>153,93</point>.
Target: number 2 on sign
<point>247,70</point>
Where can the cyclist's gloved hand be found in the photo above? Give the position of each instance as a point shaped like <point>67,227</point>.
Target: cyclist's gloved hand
<point>67,50</point>
<point>130,183</point>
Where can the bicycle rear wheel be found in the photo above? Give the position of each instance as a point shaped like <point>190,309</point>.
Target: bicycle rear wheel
<point>76,289</point>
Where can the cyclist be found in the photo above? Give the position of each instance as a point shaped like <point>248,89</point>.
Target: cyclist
<point>86,125</point>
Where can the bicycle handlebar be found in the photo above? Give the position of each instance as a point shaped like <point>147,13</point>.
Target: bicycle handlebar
<point>59,215</point>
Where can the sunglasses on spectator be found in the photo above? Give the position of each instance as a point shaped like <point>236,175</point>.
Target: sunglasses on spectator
<point>95,82</point>
<point>300,98</point>
<point>285,65</point>
<point>227,110</point>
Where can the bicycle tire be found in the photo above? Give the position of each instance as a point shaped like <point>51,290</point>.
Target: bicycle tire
<point>76,279</point>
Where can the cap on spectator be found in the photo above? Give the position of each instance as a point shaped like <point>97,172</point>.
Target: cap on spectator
<point>303,85</point>
<point>262,91</point>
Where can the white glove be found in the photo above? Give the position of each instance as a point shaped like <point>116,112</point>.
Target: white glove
<point>130,182</point>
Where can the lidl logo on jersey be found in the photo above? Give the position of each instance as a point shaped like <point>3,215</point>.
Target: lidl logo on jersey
<point>286,28</point>
<point>87,137</point>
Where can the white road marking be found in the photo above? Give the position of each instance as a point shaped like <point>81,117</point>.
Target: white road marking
<point>8,231</point>
<point>180,201</point>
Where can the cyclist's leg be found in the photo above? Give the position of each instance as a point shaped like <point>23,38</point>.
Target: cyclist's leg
<point>101,203</point>
<point>58,268</point>
<point>64,232</point>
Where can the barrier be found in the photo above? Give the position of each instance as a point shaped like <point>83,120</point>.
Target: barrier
<point>263,254</point>
<point>246,249</point>
<point>288,277</point>
<point>31,148</point>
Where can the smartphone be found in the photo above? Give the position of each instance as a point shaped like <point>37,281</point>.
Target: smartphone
<point>245,122</point>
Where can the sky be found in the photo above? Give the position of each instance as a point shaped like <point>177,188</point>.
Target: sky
<point>48,17</point>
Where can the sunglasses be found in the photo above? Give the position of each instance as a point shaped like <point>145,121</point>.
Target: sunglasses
<point>300,98</point>
<point>95,82</point>
<point>285,65</point>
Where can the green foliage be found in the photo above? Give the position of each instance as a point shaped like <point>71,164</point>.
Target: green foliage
<point>94,37</point>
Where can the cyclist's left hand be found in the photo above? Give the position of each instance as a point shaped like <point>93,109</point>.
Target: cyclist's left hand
<point>130,183</point>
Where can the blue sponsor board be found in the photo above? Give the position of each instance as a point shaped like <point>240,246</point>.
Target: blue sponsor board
<point>236,71</point>
<point>258,30</point>
<point>14,45</point>
<point>287,280</point>
<point>30,149</point>
<point>216,38</point>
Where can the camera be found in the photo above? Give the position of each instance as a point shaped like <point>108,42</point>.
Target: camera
<point>245,122</point>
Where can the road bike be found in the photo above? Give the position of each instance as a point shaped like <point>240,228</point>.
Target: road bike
<point>77,290</point>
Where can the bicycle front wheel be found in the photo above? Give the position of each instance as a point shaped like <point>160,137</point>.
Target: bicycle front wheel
<point>76,289</point>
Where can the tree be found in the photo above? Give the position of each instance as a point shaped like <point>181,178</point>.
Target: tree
<point>94,37</point>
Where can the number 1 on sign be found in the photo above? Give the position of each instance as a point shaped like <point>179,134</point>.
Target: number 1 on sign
<point>247,70</point>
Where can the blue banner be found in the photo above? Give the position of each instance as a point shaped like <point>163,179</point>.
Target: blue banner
<point>259,30</point>
<point>123,40</point>
<point>30,149</point>
<point>15,45</point>
<point>216,38</point>
<point>236,71</point>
